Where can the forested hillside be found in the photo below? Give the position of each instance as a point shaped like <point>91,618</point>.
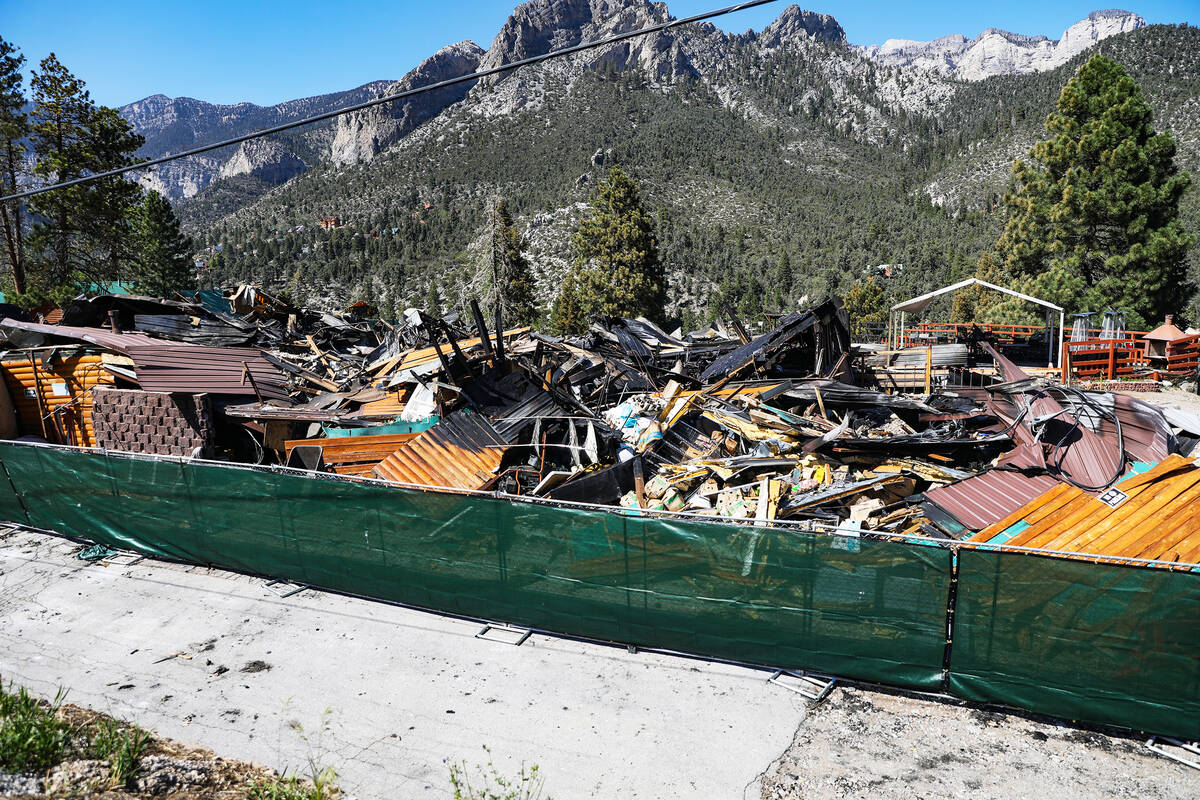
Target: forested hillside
<point>789,168</point>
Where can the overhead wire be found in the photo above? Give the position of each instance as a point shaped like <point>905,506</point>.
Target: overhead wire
<point>391,98</point>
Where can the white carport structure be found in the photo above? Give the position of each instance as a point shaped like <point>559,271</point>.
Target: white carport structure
<point>916,305</point>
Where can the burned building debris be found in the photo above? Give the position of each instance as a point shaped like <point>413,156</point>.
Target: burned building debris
<point>793,422</point>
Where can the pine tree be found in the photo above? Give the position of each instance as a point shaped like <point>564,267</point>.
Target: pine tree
<point>568,314</point>
<point>617,271</point>
<point>164,253</point>
<point>1094,221</point>
<point>14,127</point>
<point>510,284</point>
<point>62,111</point>
<point>85,232</point>
<point>864,303</point>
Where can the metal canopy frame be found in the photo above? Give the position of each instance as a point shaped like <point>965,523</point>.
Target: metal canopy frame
<point>919,304</point>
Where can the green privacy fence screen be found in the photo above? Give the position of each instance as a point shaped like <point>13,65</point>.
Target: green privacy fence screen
<point>1106,644</point>
<point>875,612</point>
<point>1096,642</point>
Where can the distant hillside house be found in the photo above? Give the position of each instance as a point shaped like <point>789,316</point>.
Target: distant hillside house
<point>886,270</point>
<point>331,222</point>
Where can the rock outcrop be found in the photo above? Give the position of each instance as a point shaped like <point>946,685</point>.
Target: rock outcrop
<point>263,158</point>
<point>997,52</point>
<point>795,22</point>
<point>362,135</point>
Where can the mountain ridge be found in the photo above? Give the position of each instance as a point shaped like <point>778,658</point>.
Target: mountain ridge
<point>778,163</point>
<point>999,52</point>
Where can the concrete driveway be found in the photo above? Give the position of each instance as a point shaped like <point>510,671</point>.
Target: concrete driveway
<point>387,696</point>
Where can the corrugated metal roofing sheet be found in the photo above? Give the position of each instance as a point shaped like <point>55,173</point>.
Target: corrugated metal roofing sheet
<point>1084,456</point>
<point>215,370</point>
<point>538,405</point>
<point>121,342</point>
<point>982,499</point>
<point>463,451</point>
<point>1155,515</point>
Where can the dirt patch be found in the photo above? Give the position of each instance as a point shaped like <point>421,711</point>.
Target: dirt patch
<point>880,745</point>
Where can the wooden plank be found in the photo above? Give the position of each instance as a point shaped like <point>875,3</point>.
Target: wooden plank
<point>1052,519</point>
<point>355,448</point>
<point>1150,517</point>
<point>1168,465</point>
<point>1185,526</point>
<point>1012,519</point>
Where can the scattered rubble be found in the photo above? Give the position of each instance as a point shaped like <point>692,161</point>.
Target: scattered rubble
<point>792,423</point>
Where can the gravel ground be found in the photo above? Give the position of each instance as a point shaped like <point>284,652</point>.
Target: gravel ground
<point>1170,397</point>
<point>872,744</point>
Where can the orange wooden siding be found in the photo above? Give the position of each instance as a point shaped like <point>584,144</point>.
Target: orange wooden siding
<point>1160,519</point>
<point>66,395</point>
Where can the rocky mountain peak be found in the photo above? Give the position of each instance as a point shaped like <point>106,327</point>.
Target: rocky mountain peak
<point>361,136</point>
<point>539,26</point>
<point>795,22</point>
<point>1098,25</point>
<point>1000,52</point>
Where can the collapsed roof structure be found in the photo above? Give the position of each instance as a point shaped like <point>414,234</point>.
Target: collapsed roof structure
<point>793,423</point>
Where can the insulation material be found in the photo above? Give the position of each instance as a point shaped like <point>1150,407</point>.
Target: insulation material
<point>52,395</point>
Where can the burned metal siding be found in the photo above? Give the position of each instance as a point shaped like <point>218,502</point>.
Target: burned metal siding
<point>463,451</point>
<point>983,499</point>
<point>121,342</point>
<point>215,370</point>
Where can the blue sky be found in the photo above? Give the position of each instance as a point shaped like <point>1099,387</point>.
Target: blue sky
<point>269,51</point>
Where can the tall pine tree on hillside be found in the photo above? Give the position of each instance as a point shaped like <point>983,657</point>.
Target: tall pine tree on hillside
<point>164,254</point>
<point>14,127</point>
<point>1094,221</point>
<point>617,272</point>
<point>110,206</point>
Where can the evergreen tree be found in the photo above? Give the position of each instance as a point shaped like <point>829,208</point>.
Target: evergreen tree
<point>164,254</point>
<point>568,314</point>
<point>864,303</point>
<point>1094,221</point>
<point>62,111</point>
<point>110,206</point>
<point>617,271</point>
<point>84,233</point>
<point>510,283</point>
<point>14,127</point>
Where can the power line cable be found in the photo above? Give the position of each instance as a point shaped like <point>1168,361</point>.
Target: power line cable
<point>566,51</point>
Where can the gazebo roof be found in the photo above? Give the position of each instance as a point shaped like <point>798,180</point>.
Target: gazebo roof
<point>919,304</point>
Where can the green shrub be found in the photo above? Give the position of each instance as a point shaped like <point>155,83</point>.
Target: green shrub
<point>320,786</point>
<point>32,738</point>
<point>122,746</point>
<point>489,784</point>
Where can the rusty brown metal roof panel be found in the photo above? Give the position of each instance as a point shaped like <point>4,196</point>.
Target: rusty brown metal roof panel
<point>986,498</point>
<point>215,370</point>
<point>463,451</point>
<point>1145,432</point>
<point>1083,456</point>
<point>121,342</point>
<point>1153,515</point>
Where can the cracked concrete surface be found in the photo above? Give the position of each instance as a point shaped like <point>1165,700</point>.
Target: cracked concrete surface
<point>385,695</point>
<point>388,696</point>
